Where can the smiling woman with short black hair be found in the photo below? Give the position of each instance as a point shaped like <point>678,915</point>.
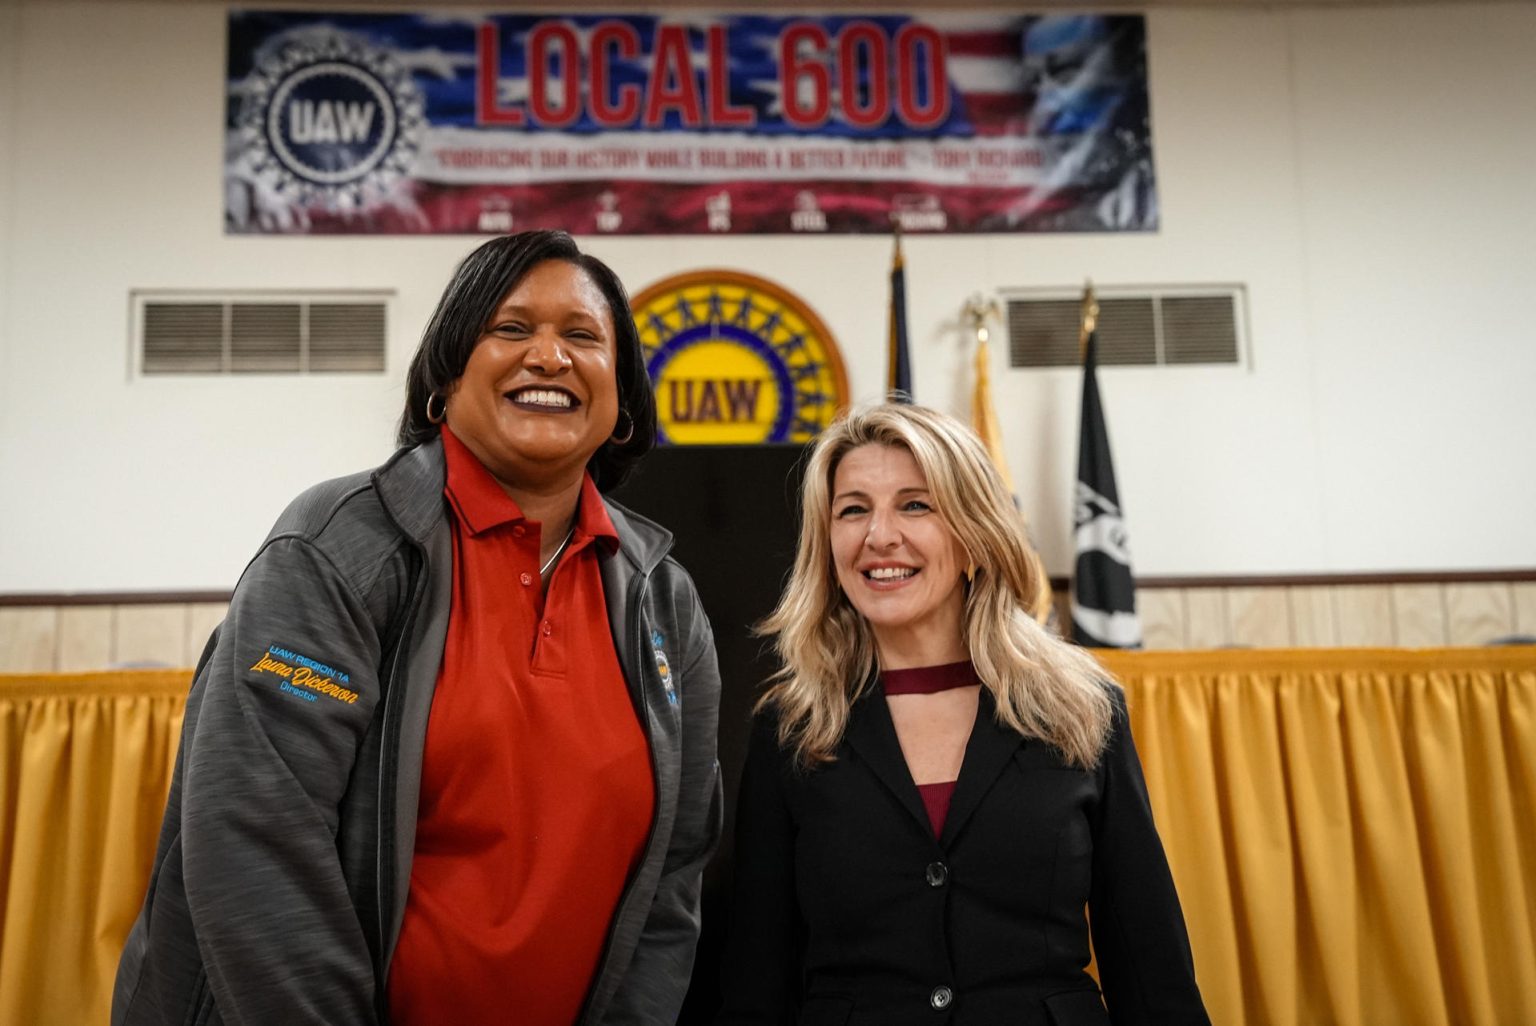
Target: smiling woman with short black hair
<point>451,756</point>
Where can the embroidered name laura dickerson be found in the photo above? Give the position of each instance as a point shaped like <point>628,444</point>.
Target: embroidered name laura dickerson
<point>299,670</point>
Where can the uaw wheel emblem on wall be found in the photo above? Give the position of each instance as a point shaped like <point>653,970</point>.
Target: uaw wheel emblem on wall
<point>737,360</point>
<point>328,119</point>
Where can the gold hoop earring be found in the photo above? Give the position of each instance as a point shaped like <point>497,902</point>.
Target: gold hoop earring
<point>442,414</point>
<point>629,433</point>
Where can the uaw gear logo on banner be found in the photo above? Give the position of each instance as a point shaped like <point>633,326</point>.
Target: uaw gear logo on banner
<point>688,121</point>
<point>327,122</point>
<point>737,360</point>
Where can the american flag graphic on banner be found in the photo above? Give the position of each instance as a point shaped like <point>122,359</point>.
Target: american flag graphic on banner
<point>692,122</point>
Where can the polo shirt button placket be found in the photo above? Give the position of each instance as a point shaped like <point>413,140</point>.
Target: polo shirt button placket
<point>941,998</point>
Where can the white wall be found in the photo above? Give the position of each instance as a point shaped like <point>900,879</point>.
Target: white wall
<point>1420,220</point>
<point>10,46</point>
<point>1364,172</point>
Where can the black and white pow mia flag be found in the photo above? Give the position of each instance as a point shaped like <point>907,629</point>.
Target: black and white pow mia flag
<point>1103,587</point>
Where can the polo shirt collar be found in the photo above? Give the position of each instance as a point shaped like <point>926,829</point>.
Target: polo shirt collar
<point>592,518</point>
<point>482,504</point>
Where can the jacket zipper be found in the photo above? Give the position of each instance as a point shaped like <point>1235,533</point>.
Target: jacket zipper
<point>389,742</point>
<point>389,756</point>
<point>637,595</point>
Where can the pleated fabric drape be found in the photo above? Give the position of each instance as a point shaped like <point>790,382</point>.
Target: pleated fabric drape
<point>85,763</point>
<point>1353,832</point>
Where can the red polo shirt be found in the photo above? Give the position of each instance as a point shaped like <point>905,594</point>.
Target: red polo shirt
<point>536,788</point>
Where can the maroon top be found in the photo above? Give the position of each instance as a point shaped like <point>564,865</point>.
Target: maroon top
<point>936,799</point>
<point>928,680</point>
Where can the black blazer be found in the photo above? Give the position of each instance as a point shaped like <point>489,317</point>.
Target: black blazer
<point>847,911</point>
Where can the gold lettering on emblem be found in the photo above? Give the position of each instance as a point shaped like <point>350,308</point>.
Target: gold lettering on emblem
<point>266,664</point>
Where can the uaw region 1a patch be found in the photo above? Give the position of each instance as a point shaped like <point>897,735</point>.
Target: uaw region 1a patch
<point>302,677</point>
<point>326,119</point>
<point>737,360</point>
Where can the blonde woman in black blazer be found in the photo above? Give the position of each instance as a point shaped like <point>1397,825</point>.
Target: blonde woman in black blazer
<point>939,796</point>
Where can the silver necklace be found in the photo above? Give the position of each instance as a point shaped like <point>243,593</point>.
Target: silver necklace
<point>545,568</point>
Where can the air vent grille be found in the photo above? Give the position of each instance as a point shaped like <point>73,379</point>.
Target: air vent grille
<point>265,338</point>
<point>184,338</point>
<point>346,337</point>
<point>1199,329</point>
<point>1127,331</point>
<point>189,333</point>
<point>1042,332</point>
<point>1137,327</point>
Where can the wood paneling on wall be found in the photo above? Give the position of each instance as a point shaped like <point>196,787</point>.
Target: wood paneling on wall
<point>1205,618</point>
<point>29,638</point>
<point>44,639</point>
<point>1312,622</point>
<point>1473,613</point>
<point>1417,614</point>
<point>1163,618</point>
<point>1261,617</point>
<point>1408,615</point>
<point>1524,596</point>
<point>1362,615</point>
<point>85,637</point>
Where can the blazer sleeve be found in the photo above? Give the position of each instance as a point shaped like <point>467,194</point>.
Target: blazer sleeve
<point>1146,970</point>
<point>761,966</point>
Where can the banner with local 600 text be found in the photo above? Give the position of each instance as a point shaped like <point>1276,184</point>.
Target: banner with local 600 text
<point>691,122</point>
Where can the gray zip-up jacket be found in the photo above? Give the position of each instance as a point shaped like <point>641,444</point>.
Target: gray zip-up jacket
<point>284,859</point>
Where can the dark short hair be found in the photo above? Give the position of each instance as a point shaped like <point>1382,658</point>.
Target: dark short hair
<point>465,311</point>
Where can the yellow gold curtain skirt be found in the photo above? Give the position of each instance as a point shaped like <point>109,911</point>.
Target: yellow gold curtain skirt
<point>1353,832</point>
<point>85,763</point>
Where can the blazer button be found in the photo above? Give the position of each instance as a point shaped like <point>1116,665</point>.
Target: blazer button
<point>527,579</point>
<point>941,998</point>
<point>937,874</point>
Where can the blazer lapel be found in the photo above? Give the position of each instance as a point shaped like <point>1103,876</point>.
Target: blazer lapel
<point>988,751</point>
<point>872,736</point>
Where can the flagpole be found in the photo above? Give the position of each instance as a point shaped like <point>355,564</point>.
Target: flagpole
<point>898,372</point>
<point>976,312</point>
<point>1089,320</point>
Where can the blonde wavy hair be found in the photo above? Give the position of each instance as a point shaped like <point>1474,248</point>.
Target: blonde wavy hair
<point>1044,687</point>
